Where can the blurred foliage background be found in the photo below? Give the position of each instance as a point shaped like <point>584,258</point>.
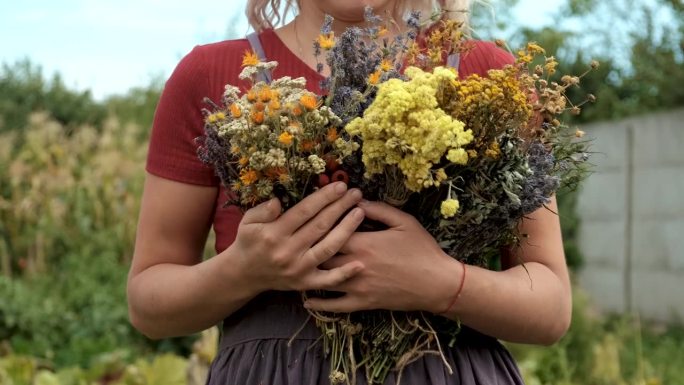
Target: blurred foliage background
<point>71,174</point>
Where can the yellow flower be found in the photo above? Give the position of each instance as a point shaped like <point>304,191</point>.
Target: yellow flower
<point>250,58</point>
<point>458,156</point>
<point>308,101</point>
<point>579,133</point>
<point>385,65</point>
<point>326,41</point>
<point>524,57</point>
<point>382,32</point>
<point>285,138</point>
<point>405,128</point>
<point>550,65</point>
<point>215,117</point>
<point>243,161</point>
<point>274,105</point>
<point>265,94</point>
<point>449,208</point>
<point>493,151</point>
<point>440,175</point>
<point>284,178</point>
<point>535,48</point>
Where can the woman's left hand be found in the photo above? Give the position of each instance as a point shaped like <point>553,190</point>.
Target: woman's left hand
<point>404,268</point>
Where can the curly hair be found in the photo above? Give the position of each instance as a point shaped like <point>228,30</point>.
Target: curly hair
<point>264,14</point>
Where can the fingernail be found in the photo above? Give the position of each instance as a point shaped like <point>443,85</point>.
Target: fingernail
<point>363,202</point>
<point>340,187</point>
<point>356,193</point>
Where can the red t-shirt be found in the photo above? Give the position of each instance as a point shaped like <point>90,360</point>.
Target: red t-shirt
<point>203,73</point>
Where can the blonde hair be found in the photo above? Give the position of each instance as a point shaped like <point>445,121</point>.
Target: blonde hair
<point>265,14</point>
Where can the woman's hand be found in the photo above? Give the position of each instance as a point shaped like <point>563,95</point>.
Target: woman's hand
<point>278,251</point>
<point>172,292</point>
<point>404,268</point>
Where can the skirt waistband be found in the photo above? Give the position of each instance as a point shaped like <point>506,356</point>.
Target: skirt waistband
<point>271,321</point>
<point>289,320</point>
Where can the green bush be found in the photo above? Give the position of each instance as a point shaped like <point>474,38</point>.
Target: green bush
<point>610,350</point>
<point>24,90</point>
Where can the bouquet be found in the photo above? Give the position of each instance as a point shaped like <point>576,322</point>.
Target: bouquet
<point>468,158</point>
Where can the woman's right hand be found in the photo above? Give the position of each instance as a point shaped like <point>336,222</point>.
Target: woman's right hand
<point>283,251</point>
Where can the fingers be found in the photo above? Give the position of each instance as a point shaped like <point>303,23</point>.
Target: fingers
<point>309,207</point>
<point>336,261</point>
<point>382,212</point>
<point>266,212</point>
<point>325,220</point>
<point>334,240</point>
<point>324,279</point>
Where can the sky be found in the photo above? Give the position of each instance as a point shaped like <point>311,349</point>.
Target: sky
<point>112,46</point>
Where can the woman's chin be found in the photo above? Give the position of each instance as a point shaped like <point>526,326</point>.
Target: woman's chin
<point>352,10</point>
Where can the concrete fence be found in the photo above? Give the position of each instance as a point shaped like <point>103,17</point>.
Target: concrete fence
<point>632,213</point>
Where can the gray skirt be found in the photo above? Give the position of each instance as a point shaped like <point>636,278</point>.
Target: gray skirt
<point>255,350</point>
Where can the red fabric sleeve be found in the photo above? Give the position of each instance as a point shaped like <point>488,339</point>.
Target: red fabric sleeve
<point>484,56</point>
<point>178,122</point>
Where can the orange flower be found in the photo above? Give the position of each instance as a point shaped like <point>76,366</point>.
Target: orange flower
<point>257,117</point>
<point>386,65</point>
<point>248,177</point>
<point>265,94</point>
<point>296,111</point>
<point>374,78</point>
<point>277,173</point>
<point>308,101</point>
<point>285,138</point>
<point>250,58</point>
<point>243,161</point>
<point>306,145</point>
<point>235,111</point>
<point>274,105</point>
<point>235,150</point>
<point>251,95</point>
<point>382,32</point>
<point>331,135</point>
<point>259,106</point>
<point>326,41</point>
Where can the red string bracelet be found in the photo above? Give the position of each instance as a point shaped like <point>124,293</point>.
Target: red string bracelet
<point>458,293</point>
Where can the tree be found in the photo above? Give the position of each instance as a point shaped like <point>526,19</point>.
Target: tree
<point>24,89</point>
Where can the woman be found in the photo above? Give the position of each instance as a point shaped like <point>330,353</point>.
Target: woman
<point>264,257</point>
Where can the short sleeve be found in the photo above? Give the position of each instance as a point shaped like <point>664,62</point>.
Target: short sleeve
<point>178,121</point>
<point>483,57</point>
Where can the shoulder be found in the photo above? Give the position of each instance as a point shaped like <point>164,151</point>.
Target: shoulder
<point>207,67</point>
<point>483,56</point>
<point>226,49</point>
